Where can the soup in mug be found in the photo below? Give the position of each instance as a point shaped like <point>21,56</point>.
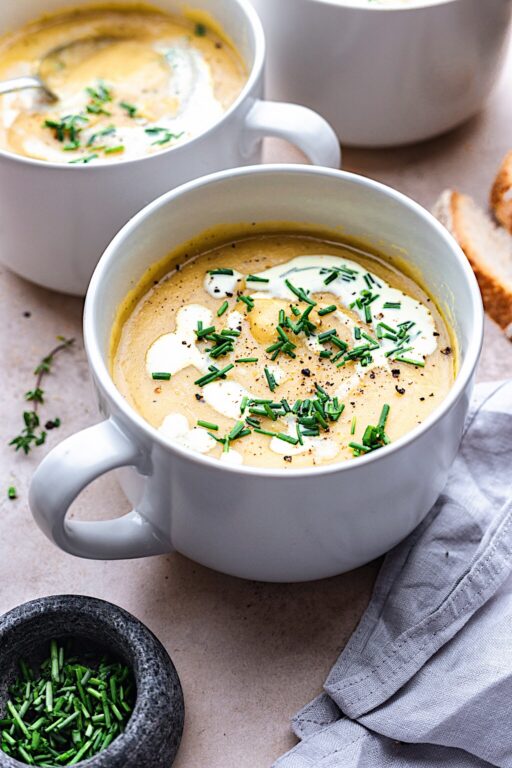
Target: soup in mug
<point>130,82</point>
<point>282,350</point>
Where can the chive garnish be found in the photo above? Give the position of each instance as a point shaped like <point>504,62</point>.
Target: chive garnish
<point>237,430</point>
<point>409,361</point>
<point>353,426</point>
<point>216,374</point>
<point>256,279</point>
<point>207,425</point>
<point>164,134</point>
<point>223,308</point>
<point>221,271</point>
<point>84,160</point>
<point>161,376</point>
<point>272,383</point>
<point>384,416</point>
<point>52,717</point>
<point>200,30</point>
<point>287,438</point>
<point>246,360</point>
<point>392,305</point>
<point>131,109</point>
<point>114,150</point>
<point>327,310</point>
<point>248,301</point>
<point>300,293</point>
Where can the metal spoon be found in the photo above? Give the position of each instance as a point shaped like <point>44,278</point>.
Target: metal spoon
<point>51,63</point>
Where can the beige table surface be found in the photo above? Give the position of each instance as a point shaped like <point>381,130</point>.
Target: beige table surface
<point>248,654</point>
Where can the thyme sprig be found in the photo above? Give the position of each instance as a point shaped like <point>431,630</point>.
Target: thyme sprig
<point>31,435</point>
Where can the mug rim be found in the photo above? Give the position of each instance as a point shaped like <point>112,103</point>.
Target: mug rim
<point>418,5</point>
<point>258,34</point>
<point>102,375</point>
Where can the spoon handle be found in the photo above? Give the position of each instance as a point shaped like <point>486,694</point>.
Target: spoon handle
<point>20,83</point>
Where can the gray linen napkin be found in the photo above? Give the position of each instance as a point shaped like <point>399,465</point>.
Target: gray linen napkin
<point>426,679</point>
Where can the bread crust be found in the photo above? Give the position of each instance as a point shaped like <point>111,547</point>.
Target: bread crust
<point>501,193</point>
<point>497,296</point>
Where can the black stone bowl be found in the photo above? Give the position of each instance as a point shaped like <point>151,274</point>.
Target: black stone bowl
<point>153,733</point>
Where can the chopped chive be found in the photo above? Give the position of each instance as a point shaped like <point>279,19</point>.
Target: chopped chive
<point>248,301</point>
<point>409,361</point>
<point>217,374</point>
<point>200,29</point>
<point>12,493</point>
<point>384,416</point>
<point>327,310</point>
<point>287,438</point>
<point>220,271</point>
<point>160,376</point>
<point>256,279</point>
<point>237,430</point>
<point>265,432</point>
<point>223,308</point>
<point>392,305</point>
<point>353,426</point>
<point>130,108</point>
<point>359,447</point>
<point>272,383</point>
<point>246,360</point>
<point>202,332</point>
<point>207,425</point>
<point>115,150</point>
<point>300,293</point>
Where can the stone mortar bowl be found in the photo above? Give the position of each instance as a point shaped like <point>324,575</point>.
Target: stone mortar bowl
<point>153,733</point>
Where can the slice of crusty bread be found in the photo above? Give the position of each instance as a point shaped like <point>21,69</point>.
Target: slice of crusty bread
<point>501,193</point>
<point>488,248</point>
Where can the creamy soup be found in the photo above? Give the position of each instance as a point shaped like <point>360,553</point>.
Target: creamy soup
<point>283,351</point>
<point>130,82</point>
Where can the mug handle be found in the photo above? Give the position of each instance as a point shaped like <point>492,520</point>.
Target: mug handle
<point>301,126</point>
<point>66,471</point>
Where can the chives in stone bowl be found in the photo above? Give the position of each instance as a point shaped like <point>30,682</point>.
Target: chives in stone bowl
<point>66,710</point>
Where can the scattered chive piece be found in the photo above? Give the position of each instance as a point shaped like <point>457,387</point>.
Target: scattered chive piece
<point>114,150</point>
<point>327,310</point>
<point>131,109</point>
<point>300,293</point>
<point>384,416</point>
<point>409,361</point>
<point>223,308</point>
<point>353,426</point>
<point>247,360</point>
<point>392,305</point>
<point>216,374</point>
<point>272,383</point>
<point>12,493</point>
<point>83,160</point>
<point>221,271</point>
<point>208,425</point>
<point>200,29</point>
<point>256,279</point>
<point>161,376</point>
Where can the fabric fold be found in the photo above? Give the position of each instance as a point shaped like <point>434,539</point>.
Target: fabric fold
<point>430,663</point>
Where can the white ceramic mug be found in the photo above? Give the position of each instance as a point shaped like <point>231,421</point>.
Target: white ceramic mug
<point>56,219</point>
<point>385,75</point>
<point>267,524</point>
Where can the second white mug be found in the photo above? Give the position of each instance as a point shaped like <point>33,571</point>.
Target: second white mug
<point>385,72</point>
<point>56,219</point>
